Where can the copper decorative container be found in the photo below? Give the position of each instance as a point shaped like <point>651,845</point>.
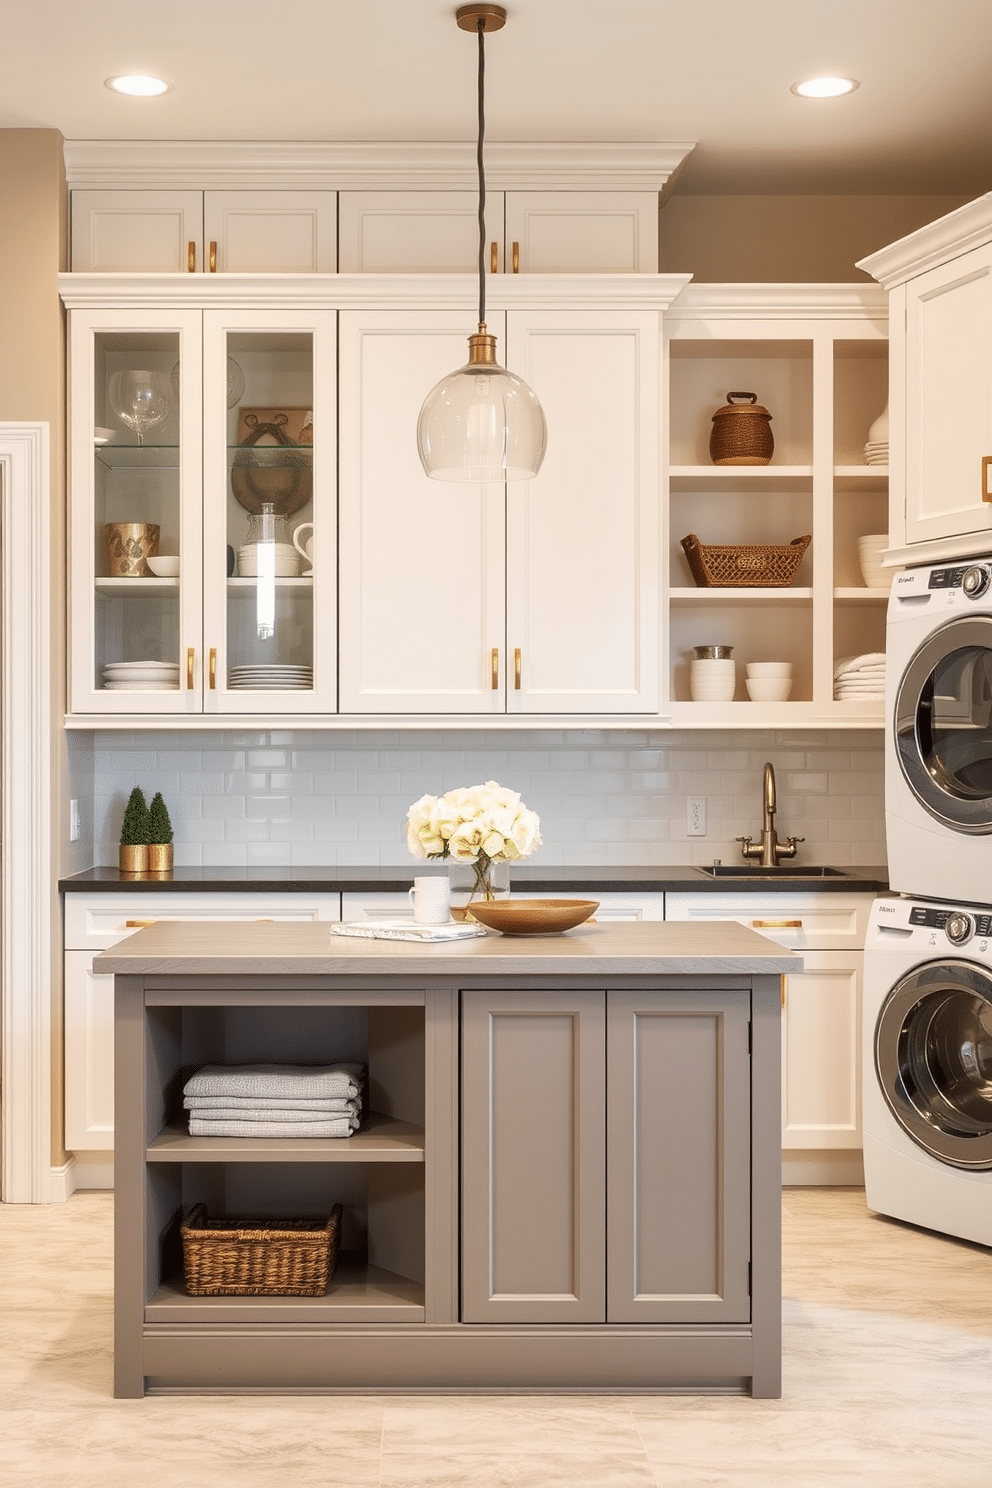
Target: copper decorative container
<point>741,433</point>
<point>129,546</point>
<point>133,857</point>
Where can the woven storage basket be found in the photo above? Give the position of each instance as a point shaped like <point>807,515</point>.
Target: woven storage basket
<point>756,566</point>
<point>742,432</point>
<point>259,1257</point>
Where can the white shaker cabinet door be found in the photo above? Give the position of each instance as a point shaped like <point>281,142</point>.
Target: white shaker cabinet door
<point>89,1056</point>
<point>948,399</point>
<point>821,1052</point>
<point>123,232</point>
<point>270,232</point>
<point>582,232</point>
<point>422,567</point>
<point>417,232</point>
<point>582,537</point>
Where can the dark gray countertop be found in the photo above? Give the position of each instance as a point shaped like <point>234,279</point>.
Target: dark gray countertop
<point>669,879</point>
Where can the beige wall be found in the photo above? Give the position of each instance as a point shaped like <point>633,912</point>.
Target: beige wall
<point>32,390</point>
<point>783,239</point>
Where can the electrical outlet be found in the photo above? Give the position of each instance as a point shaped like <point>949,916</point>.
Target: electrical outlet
<point>695,816</point>
<point>73,821</point>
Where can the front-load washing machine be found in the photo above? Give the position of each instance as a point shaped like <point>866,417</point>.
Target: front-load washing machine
<point>927,1065</point>
<point>938,735</point>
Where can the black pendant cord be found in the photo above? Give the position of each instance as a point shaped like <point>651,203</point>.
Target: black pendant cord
<point>482,174</point>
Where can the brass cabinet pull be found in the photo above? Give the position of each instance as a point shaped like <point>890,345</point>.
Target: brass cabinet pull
<point>494,661</point>
<point>516,669</point>
<point>515,259</point>
<point>138,924</point>
<point>213,668</point>
<point>213,258</point>
<point>494,258</point>
<point>189,668</point>
<point>785,983</point>
<point>191,258</point>
<point>777,924</point>
<point>986,481</point>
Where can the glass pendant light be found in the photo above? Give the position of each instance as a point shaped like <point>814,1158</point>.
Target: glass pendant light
<point>482,422</point>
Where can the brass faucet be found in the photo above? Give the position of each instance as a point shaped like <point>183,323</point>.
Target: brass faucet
<point>769,850</point>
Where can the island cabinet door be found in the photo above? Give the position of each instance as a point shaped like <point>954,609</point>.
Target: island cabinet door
<point>678,1157</point>
<point>533,1157</point>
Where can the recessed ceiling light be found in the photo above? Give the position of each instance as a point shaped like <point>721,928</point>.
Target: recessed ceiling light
<point>137,85</point>
<point>825,87</point>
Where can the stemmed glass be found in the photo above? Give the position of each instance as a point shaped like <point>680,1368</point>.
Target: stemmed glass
<point>141,400</point>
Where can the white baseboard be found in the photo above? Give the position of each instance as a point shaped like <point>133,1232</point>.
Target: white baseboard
<point>62,1181</point>
<point>827,1169</point>
<point>93,1170</point>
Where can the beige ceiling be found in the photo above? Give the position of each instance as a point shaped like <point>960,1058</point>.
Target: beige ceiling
<point>714,72</point>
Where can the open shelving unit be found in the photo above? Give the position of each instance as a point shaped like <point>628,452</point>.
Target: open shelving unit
<point>816,358</point>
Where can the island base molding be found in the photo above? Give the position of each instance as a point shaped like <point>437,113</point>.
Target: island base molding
<point>455,1360</point>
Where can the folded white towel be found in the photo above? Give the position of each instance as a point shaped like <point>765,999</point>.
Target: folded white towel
<point>871,659</point>
<point>337,1105</point>
<point>271,1116</point>
<point>283,1080</point>
<point>343,1126</point>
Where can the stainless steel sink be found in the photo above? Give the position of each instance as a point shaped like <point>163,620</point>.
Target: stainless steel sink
<point>784,870</point>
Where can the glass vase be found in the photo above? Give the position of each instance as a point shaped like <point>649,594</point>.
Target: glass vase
<point>486,878</point>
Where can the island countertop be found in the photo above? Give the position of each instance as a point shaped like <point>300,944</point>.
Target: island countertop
<point>218,948</point>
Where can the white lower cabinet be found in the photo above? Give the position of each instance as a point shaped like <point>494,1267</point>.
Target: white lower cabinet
<point>92,923</point>
<point>821,1019</point>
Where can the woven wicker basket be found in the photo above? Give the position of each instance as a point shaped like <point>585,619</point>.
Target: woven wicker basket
<point>742,432</point>
<point>756,566</point>
<point>259,1257</point>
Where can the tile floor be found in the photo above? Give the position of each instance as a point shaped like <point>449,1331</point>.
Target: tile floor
<point>887,1381</point>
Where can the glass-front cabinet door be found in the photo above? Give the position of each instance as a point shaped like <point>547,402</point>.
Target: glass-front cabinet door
<point>135,546</point>
<point>203,529</point>
<point>269,526</point>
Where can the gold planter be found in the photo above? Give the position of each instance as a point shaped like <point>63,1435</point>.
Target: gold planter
<point>160,858</point>
<point>134,857</point>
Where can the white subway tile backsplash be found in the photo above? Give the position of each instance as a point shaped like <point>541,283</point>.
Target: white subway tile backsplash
<point>605,797</point>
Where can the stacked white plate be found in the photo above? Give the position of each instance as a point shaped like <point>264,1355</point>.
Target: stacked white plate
<point>877,452</point>
<point>271,677</point>
<point>141,676</point>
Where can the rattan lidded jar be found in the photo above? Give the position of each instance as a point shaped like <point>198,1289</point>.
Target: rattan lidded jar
<point>741,433</point>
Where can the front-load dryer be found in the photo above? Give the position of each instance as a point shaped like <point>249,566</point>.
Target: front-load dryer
<point>927,1065</point>
<point>938,733</point>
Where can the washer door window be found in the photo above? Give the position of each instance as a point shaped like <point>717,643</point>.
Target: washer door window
<point>943,724</point>
<point>933,1059</point>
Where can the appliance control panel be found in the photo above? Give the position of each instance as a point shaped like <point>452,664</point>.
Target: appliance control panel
<point>973,579</point>
<point>958,925</point>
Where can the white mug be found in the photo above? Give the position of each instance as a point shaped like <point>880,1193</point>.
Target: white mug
<point>305,549</point>
<point>431,899</point>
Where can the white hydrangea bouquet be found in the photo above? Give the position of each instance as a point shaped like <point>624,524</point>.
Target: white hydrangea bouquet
<point>476,824</point>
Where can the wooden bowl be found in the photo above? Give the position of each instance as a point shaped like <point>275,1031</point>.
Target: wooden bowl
<point>532,916</point>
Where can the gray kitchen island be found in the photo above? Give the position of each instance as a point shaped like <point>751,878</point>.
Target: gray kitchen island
<point>567,1175</point>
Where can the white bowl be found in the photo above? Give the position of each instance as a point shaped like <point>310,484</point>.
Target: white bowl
<point>768,689</point>
<point>870,550</point>
<point>164,565</point>
<point>102,436</point>
<point>779,669</point>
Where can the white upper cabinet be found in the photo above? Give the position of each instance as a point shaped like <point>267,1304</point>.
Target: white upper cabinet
<point>536,597</point>
<point>548,232</point>
<point>226,232</point>
<point>940,309</point>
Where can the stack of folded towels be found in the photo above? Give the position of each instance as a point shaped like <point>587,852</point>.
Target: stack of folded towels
<point>274,1100</point>
<point>859,678</point>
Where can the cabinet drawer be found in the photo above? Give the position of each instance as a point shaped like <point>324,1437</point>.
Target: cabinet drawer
<point>814,921</point>
<point>612,907</point>
<point>95,921</point>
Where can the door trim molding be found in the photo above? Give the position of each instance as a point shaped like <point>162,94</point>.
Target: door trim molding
<point>27,888</point>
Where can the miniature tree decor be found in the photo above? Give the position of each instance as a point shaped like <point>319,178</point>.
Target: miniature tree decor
<point>134,834</point>
<point>159,836</point>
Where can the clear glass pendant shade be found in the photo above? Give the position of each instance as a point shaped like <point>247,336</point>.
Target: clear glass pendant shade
<point>481,423</point>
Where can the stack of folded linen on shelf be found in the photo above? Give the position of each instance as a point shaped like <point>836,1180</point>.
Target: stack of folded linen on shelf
<point>859,678</point>
<point>274,1100</point>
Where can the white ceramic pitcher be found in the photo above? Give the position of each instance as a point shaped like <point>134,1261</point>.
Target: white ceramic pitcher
<point>305,548</point>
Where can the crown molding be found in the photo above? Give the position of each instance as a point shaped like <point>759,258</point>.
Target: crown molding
<point>967,227</point>
<point>372,291</point>
<point>394,165</point>
<point>779,302</point>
